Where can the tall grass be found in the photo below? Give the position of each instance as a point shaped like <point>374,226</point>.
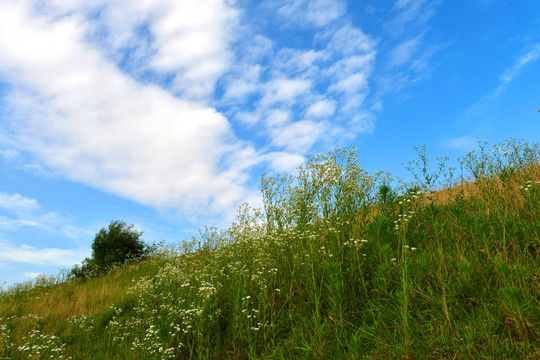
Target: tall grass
<point>339,264</point>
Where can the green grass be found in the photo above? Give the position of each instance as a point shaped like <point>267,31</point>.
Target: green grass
<point>337,265</point>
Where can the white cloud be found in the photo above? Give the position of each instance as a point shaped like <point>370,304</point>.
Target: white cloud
<point>479,109</point>
<point>46,256</point>
<point>462,142</point>
<point>297,137</point>
<point>17,203</point>
<point>284,90</point>
<point>412,13</point>
<point>13,224</point>
<point>299,61</point>
<point>530,56</point>
<point>78,114</point>
<point>81,116</point>
<point>9,154</point>
<point>278,117</point>
<point>404,52</point>
<point>349,40</point>
<point>322,108</point>
<point>188,39</point>
<point>256,48</point>
<point>317,13</point>
<point>284,162</point>
<point>351,84</point>
<point>322,12</point>
<point>26,212</point>
<point>192,39</point>
<point>246,84</point>
<point>297,89</point>
<point>32,275</point>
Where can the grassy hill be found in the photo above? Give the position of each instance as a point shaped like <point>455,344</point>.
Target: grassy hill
<point>339,264</point>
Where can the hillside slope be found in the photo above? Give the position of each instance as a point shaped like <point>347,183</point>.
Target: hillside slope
<point>337,266</point>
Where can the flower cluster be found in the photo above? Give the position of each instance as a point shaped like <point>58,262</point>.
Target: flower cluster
<point>529,184</point>
<point>355,242</point>
<point>39,346</point>
<point>403,218</point>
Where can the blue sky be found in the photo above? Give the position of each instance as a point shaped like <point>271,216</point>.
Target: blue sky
<point>164,113</point>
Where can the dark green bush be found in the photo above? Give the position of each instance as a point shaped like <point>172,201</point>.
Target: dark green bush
<point>114,245</point>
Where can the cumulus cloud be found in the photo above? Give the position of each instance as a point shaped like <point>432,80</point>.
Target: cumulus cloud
<point>117,95</point>
<point>78,114</point>
<point>187,40</point>
<point>239,87</point>
<point>297,137</point>
<point>299,89</point>
<point>284,90</point>
<point>322,108</point>
<point>282,161</point>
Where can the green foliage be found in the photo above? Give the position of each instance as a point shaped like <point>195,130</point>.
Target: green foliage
<point>338,265</point>
<point>116,244</point>
<point>112,246</point>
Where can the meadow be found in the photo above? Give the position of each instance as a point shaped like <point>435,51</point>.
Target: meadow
<point>339,264</point>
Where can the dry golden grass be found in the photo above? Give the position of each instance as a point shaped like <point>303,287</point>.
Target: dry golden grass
<point>59,302</point>
<point>490,189</point>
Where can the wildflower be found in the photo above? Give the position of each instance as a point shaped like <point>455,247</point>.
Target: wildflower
<point>413,248</point>
<point>393,259</point>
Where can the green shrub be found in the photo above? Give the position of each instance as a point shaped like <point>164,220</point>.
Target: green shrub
<point>112,246</point>
<point>116,244</point>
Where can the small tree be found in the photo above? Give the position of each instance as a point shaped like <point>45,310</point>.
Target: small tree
<point>116,244</point>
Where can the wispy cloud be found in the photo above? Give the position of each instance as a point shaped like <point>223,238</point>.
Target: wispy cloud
<point>25,212</point>
<point>322,108</point>
<point>405,51</point>
<point>316,13</point>
<point>505,79</point>
<point>465,142</point>
<point>510,74</point>
<point>284,90</point>
<point>17,203</point>
<point>302,97</point>
<point>47,256</point>
<point>412,14</point>
<point>7,223</point>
